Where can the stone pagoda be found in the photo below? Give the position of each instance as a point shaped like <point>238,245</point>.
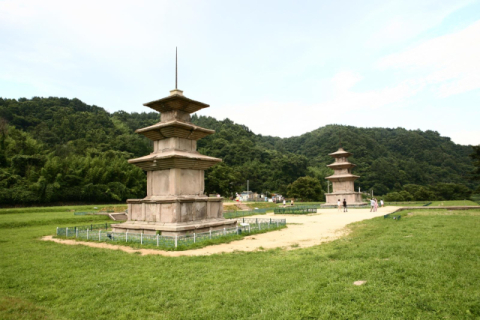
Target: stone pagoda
<point>342,181</point>
<point>175,203</point>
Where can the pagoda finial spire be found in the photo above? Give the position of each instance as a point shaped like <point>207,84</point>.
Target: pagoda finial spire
<point>176,91</point>
<point>176,68</point>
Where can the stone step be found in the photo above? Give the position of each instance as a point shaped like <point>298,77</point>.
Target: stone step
<point>118,216</point>
<point>242,206</point>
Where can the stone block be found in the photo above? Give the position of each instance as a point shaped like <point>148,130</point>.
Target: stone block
<point>136,211</point>
<point>186,212</point>
<point>200,210</point>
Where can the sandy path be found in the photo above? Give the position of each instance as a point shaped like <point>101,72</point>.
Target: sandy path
<point>303,231</point>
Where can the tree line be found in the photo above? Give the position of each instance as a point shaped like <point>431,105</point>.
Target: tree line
<point>56,150</point>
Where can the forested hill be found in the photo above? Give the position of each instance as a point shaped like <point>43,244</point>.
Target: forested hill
<point>62,150</point>
<point>387,158</point>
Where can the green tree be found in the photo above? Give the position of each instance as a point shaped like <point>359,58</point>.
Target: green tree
<point>222,179</point>
<point>476,163</point>
<point>306,188</point>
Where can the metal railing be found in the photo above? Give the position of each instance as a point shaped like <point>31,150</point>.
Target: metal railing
<point>296,210</point>
<point>90,227</point>
<point>83,213</point>
<point>246,225</point>
<point>239,214</point>
<point>418,203</point>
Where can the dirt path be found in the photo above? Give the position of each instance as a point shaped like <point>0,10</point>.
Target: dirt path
<point>302,232</point>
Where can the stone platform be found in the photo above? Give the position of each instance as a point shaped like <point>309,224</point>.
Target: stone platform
<point>172,229</point>
<point>354,199</point>
<point>174,215</point>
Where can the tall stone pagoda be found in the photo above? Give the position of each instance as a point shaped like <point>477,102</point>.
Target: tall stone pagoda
<point>175,203</point>
<point>343,181</point>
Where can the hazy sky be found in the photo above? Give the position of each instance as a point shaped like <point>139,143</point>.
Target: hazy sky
<point>282,68</point>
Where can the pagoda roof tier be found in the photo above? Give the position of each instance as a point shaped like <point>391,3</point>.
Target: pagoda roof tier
<point>174,129</point>
<point>176,102</point>
<point>340,153</point>
<point>341,165</point>
<point>342,177</point>
<point>174,159</point>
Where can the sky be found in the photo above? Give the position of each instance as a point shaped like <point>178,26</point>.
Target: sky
<point>282,68</point>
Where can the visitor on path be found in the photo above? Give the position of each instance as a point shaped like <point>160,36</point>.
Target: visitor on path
<point>339,205</point>
<point>381,203</point>
<point>376,205</point>
<point>372,204</point>
<point>284,203</point>
<point>345,205</point>
<point>291,202</point>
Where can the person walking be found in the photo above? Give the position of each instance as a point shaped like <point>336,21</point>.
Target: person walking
<point>376,205</point>
<point>381,203</point>
<point>284,203</point>
<point>339,205</point>
<point>372,204</point>
<point>345,205</point>
<point>291,202</point>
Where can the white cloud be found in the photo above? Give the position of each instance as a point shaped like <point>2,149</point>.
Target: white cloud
<point>296,117</point>
<point>465,136</point>
<point>449,63</point>
<point>345,80</point>
<point>399,21</point>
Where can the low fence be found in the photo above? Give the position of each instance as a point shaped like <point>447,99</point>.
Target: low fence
<point>296,210</point>
<point>416,203</point>
<point>312,205</point>
<point>246,226</point>
<point>239,214</point>
<point>83,213</point>
<point>69,231</point>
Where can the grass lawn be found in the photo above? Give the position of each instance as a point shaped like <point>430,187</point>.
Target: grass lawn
<point>23,217</point>
<point>453,203</point>
<point>403,204</point>
<point>424,266</point>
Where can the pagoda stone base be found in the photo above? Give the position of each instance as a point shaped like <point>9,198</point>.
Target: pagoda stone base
<point>354,199</point>
<point>172,229</point>
<point>175,215</point>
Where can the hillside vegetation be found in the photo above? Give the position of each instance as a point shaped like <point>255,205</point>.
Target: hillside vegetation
<point>63,150</point>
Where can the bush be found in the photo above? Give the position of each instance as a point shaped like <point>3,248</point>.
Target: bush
<point>306,188</point>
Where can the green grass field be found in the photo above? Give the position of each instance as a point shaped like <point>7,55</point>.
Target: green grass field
<point>433,203</point>
<point>453,203</point>
<point>424,266</point>
<point>24,217</point>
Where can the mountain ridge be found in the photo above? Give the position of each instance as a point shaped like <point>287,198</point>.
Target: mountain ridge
<point>42,137</point>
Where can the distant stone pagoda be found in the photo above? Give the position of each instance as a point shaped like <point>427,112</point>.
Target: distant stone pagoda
<point>343,181</point>
<point>175,202</point>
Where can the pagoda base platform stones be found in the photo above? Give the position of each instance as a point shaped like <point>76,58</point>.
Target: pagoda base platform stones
<point>342,182</point>
<point>172,216</point>
<point>175,203</point>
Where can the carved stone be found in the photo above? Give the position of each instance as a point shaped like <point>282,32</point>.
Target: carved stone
<point>175,203</point>
<point>342,181</point>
